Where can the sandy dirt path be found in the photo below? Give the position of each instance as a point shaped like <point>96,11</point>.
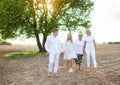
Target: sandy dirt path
<point>33,71</point>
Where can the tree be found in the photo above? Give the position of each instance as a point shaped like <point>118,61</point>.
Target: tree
<point>34,17</point>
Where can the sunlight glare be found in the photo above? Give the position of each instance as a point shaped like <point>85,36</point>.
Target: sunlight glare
<point>49,5</point>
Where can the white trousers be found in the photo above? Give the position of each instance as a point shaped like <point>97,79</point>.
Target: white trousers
<point>53,61</point>
<point>91,52</point>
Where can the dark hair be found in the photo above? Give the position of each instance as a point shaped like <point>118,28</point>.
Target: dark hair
<point>55,29</point>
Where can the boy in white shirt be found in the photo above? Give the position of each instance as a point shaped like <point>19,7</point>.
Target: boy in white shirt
<point>79,46</point>
<point>90,47</point>
<point>53,47</point>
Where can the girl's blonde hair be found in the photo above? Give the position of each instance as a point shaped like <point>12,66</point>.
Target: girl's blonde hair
<point>69,34</point>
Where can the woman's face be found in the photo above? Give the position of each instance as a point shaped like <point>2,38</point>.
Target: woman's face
<point>88,32</point>
<point>68,36</point>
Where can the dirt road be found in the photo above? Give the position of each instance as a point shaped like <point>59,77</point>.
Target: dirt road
<point>33,71</point>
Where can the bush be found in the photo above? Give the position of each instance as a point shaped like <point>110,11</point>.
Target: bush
<point>113,42</point>
<point>24,54</point>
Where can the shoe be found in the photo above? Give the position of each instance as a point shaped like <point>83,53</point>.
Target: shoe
<point>49,74</point>
<point>56,75</point>
<point>88,70</point>
<point>94,70</point>
<point>70,70</point>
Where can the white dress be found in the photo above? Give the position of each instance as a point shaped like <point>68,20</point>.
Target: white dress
<point>69,50</point>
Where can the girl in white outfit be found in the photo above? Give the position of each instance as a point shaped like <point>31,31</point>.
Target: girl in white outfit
<point>79,47</point>
<point>69,52</point>
<point>90,47</point>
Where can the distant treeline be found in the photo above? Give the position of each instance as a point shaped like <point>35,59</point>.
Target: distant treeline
<point>111,43</point>
<point>3,42</point>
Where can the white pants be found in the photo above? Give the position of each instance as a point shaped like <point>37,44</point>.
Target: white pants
<point>91,52</point>
<point>53,61</point>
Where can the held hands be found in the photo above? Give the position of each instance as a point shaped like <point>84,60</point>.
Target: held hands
<point>84,51</point>
<point>62,54</point>
<point>95,48</point>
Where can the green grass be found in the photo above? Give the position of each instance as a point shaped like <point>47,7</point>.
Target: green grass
<point>24,54</point>
<point>4,43</point>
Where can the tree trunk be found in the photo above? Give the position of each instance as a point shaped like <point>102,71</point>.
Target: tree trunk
<point>37,39</point>
<point>35,29</point>
<point>38,42</point>
<point>44,40</point>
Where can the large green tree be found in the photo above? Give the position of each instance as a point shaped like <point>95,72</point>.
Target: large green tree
<point>34,17</point>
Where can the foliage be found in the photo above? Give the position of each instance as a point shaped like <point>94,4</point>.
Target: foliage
<point>3,42</point>
<point>34,17</point>
<point>10,18</point>
<point>24,54</point>
<point>113,42</point>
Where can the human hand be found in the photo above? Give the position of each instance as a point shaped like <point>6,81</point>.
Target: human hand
<point>62,54</point>
<point>95,48</point>
<point>84,52</point>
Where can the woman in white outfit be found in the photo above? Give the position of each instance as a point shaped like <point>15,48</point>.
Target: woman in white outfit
<point>90,47</point>
<point>69,52</point>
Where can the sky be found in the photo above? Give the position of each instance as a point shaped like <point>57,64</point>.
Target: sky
<point>105,21</point>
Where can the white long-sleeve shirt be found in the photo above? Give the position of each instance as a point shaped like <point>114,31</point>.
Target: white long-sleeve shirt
<point>52,45</point>
<point>79,45</point>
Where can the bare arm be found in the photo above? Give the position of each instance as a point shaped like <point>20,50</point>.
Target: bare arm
<point>95,44</point>
<point>84,46</point>
<point>46,45</point>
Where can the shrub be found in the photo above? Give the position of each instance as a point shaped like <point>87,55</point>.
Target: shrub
<point>113,42</point>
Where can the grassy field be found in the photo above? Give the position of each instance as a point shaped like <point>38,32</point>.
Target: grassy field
<point>24,54</point>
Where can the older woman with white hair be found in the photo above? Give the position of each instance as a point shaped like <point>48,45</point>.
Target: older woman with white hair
<point>90,47</point>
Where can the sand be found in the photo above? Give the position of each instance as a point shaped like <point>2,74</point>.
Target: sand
<point>33,71</point>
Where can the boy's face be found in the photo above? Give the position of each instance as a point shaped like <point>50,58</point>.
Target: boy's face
<point>56,33</point>
<point>80,37</point>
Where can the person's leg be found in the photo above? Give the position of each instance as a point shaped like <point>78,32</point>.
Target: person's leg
<point>56,63</point>
<point>80,60</point>
<point>51,61</point>
<point>70,63</point>
<point>76,61</point>
<point>67,63</point>
<point>70,66</point>
<point>94,59</point>
<point>79,66</point>
<point>88,57</point>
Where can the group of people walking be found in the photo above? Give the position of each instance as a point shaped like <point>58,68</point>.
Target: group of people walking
<point>72,51</point>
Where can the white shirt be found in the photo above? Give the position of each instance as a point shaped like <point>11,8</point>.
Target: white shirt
<point>52,45</point>
<point>79,45</point>
<point>89,41</point>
